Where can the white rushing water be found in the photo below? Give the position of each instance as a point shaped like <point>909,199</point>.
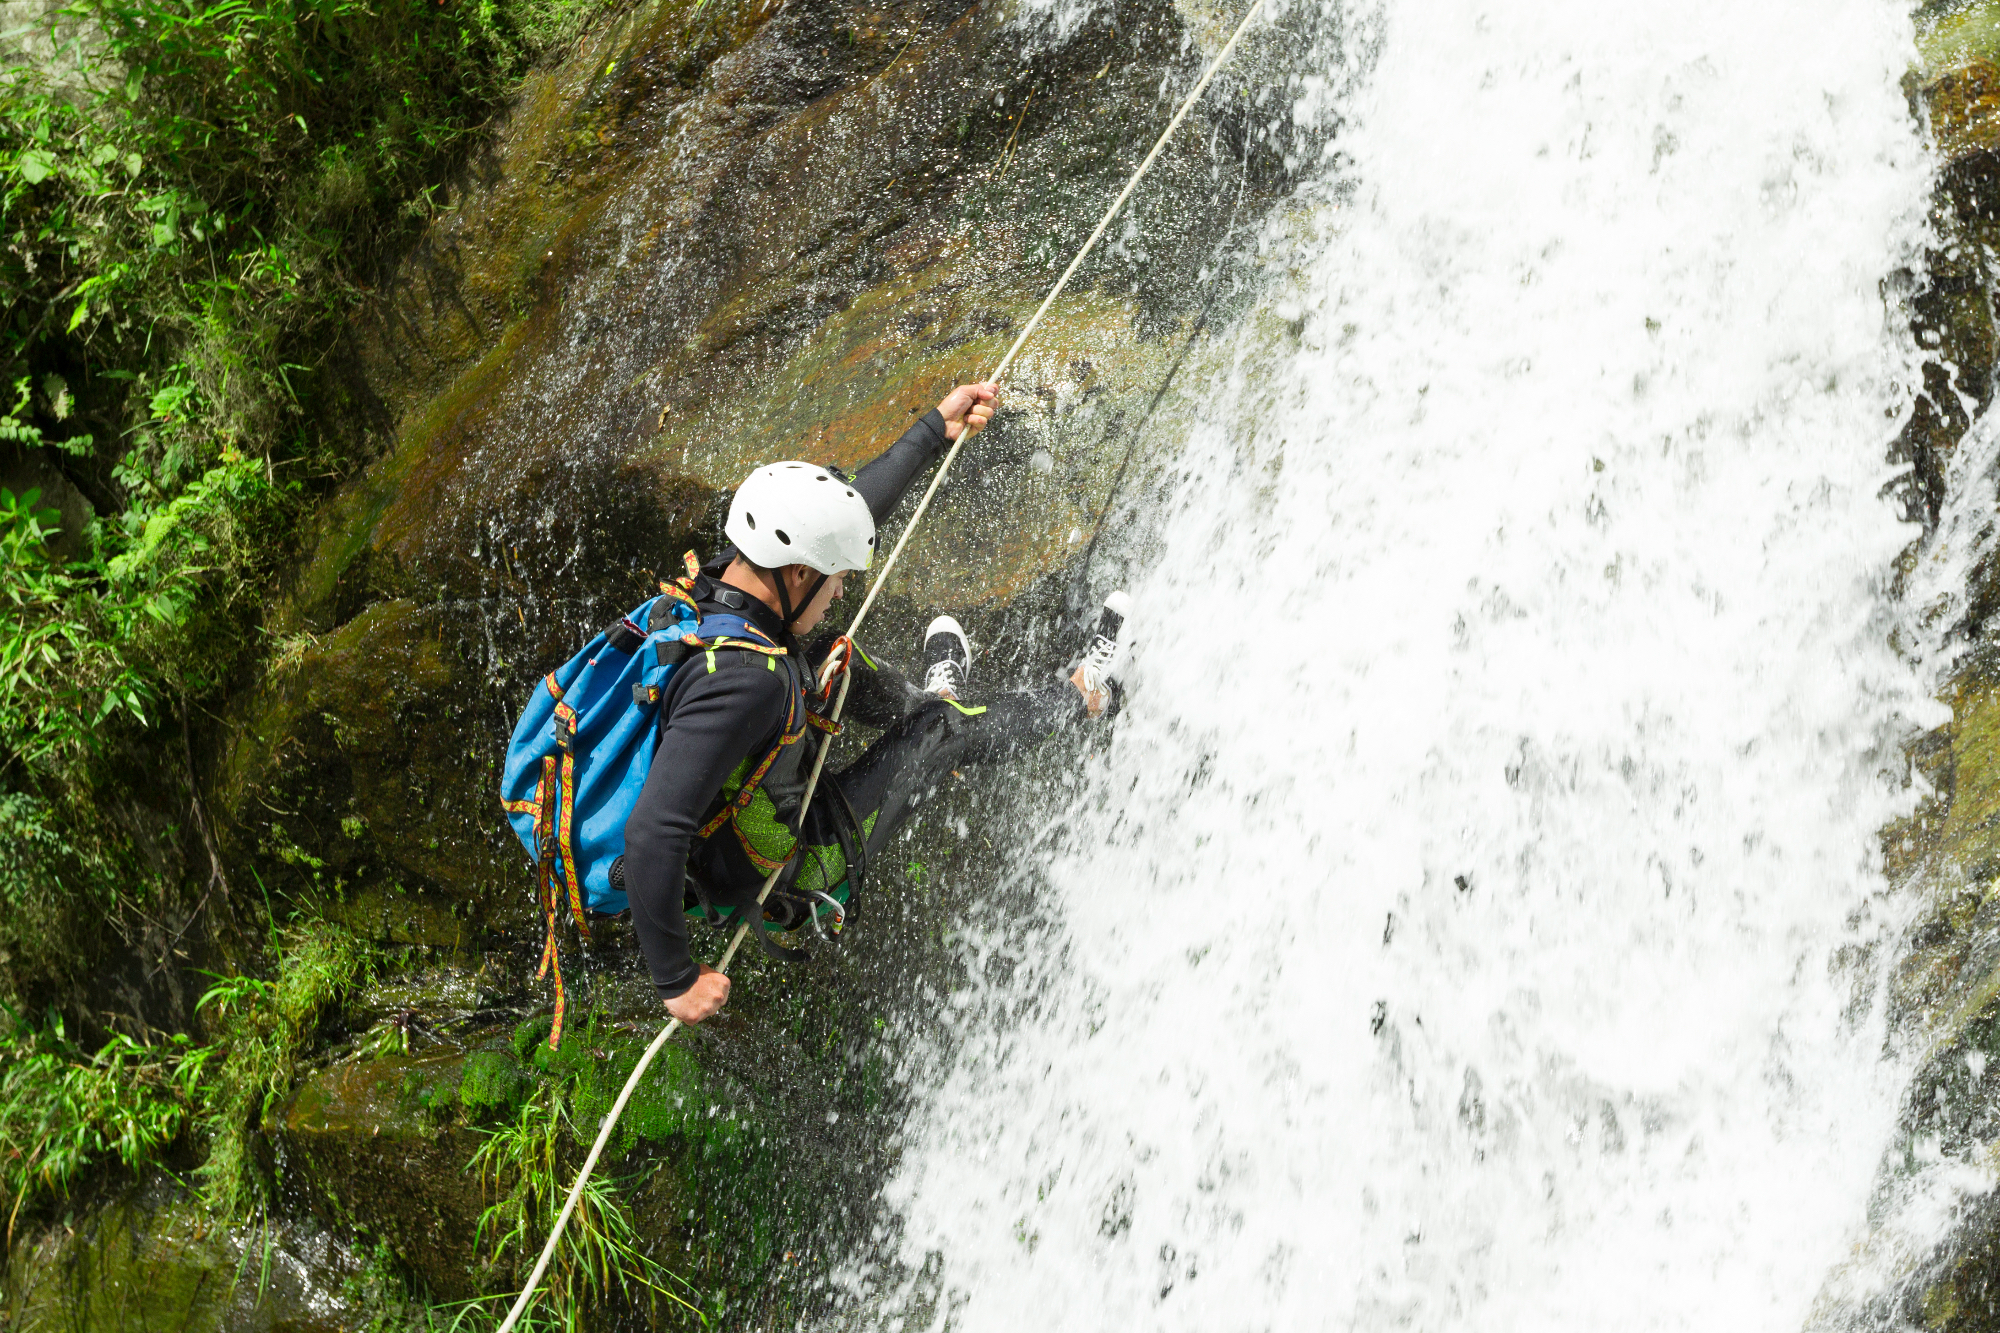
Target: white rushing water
<point>1448,939</point>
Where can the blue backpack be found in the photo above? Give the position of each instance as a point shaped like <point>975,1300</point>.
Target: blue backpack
<point>581,751</point>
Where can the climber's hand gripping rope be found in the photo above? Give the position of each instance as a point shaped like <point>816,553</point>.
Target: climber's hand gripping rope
<point>966,410</point>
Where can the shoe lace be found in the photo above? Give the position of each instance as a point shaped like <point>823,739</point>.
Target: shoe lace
<point>942,676</point>
<point>1099,657</point>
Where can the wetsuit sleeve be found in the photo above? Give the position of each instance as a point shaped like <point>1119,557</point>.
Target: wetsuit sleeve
<point>883,482</point>
<point>720,718</point>
<point>879,695</point>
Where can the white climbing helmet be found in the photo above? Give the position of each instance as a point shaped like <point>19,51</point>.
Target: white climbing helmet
<point>801,514</point>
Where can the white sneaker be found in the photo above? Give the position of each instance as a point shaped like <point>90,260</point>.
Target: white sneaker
<point>947,658</point>
<point>1096,677</point>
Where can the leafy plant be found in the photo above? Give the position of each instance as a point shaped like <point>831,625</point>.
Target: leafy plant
<point>599,1251</point>
<point>62,1111</point>
<point>193,196</point>
<point>62,673</point>
<point>262,1026</point>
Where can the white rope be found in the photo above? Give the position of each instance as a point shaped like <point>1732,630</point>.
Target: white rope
<point>1049,300</point>
<point>853,628</point>
<point>639,1070</point>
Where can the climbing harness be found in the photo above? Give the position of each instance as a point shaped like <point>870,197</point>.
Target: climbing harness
<point>836,664</point>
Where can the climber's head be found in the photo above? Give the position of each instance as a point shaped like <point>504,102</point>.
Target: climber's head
<point>800,528</point>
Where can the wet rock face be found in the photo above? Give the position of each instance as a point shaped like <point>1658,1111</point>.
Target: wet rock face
<point>1944,1004</point>
<point>362,1145</point>
<point>154,1259</point>
<point>1944,995</point>
<point>1956,91</point>
<point>719,235</point>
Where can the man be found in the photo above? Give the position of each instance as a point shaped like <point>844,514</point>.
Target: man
<point>733,721</point>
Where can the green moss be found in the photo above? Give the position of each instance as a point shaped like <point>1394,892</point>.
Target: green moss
<point>671,1100</point>
<point>1959,36</point>
<point>494,1082</point>
<point>531,1033</point>
<point>361,1144</point>
<point>263,1027</point>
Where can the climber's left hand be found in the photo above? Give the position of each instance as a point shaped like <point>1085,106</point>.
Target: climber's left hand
<point>967,409</point>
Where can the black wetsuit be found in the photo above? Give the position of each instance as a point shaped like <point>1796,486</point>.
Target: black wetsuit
<point>724,714</point>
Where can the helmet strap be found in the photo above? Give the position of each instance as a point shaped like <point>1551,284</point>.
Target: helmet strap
<point>784,598</point>
<point>785,612</point>
<point>811,593</point>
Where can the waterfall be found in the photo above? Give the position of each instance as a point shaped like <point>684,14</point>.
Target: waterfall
<point>1468,926</point>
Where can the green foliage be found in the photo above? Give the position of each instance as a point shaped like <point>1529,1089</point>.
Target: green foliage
<point>186,214</point>
<point>62,1111</point>
<point>600,1251</point>
<point>193,195</point>
<point>60,879</point>
<point>63,665</point>
<point>34,849</point>
<point>387,1037</point>
<point>262,1026</point>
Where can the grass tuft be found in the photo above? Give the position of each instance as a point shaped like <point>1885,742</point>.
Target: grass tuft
<point>600,1254</point>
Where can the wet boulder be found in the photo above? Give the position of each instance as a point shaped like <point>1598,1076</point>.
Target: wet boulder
<point>373,1149</point>
<point>154,1258</point>
<point>717,236</point>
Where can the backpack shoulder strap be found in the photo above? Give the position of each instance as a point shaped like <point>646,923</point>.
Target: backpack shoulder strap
<point>721,631</point>
<point>723,627</point>
<point>674,599</point>
<point>717,638</point>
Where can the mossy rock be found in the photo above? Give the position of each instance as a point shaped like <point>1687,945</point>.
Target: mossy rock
<point>363,1145</point>
<point>1954,89</point>
<point>1945,1000</point>
<point>494,1084</point>
<point>155,1259</point>
<point>559,422</point>
<point>362,778</point>
<point>593,342</point>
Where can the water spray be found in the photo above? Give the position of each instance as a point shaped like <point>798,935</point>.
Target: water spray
<point>835,661</point>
